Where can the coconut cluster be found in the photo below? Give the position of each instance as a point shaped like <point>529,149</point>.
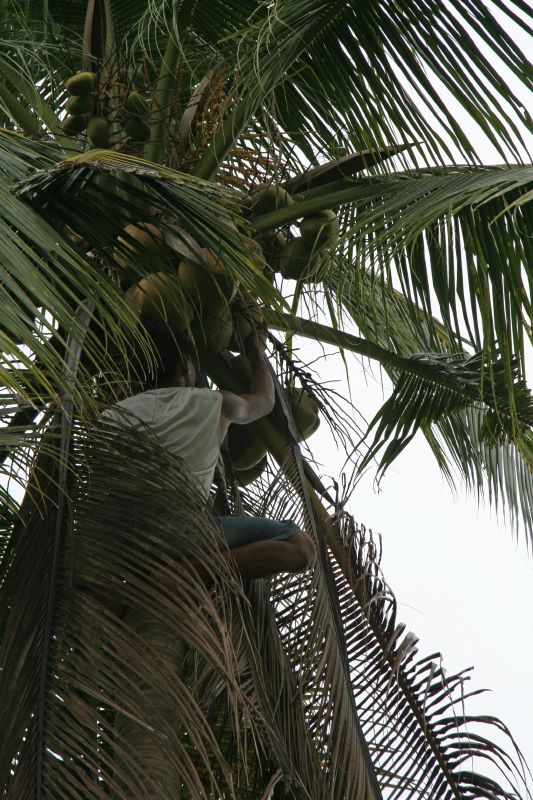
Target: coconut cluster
<point>86,112</point>
<point>299,258</point>
<point>199,295</point>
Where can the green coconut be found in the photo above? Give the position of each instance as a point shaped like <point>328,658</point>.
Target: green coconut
<point>156,297</point>
<point>210,286</point>
<point>137,129</point>
<point>272,246</point>
<point>247,476</point>
<point>304,410</point>
<point>297,259</point>
<point>136,77</point>
<point>73,125</point>
<point>147,238</point>
<point>136,104</point>
<point>245,447</point>
<point>78,105</point>
<point>322,228</point>
<point>269,198</point>
<point>80,84</point>
<point>247,316</point>
<point>255,251</point>
<point>213,331</point>
<point>98,132</point>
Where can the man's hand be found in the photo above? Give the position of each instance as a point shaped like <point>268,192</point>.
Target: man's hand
<point>255,344</point>
<point>241,409</point>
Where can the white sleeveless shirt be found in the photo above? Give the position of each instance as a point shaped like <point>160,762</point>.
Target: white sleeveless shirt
<point>184,420</point>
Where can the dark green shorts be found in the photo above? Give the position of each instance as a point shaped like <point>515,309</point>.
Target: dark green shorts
<point>245,530</point>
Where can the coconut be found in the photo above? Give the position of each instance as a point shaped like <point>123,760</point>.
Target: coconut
<point>213,331</point>
<point>247,476</point>
<point>136,104</point>
<point>322,228</point>
<point>266,198</point>
<point>147,237</point>
<point>272,245</point>
<point>245,447</point>
<point>157,296</point>
<point>304,410</point>
<point>247,316</point>
<point>297,259</point>
<point>78,105</point>
<point>209,285</point>
<point>242,329</point>
<point>137,129</point>
<point>80,84</point>
<point>136,77</point>
<point>255,251</point>
<point>73,125</point>
<point>98,132</point>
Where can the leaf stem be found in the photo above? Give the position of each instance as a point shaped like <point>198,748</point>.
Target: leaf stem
<point>18,113</point>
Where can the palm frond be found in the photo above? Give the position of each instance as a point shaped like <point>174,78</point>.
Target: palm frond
<point>331,50</point>
<point>489,461</point>
<point>105,563</point>
<point>464,234</point>
<point>95,192</point>
<point>412,714</point>
<point>472,442</point>
<point>416,403</point>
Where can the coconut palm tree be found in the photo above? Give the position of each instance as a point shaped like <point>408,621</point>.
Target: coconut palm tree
<point>218,165</point>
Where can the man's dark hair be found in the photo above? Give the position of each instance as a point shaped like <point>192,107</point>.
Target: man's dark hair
<point>171,349</point>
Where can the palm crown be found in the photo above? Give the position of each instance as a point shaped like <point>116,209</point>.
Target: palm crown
<point>288,162</point>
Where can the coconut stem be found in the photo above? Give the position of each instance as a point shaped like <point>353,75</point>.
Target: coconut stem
<point>155,149</point>
<point>165,89</point>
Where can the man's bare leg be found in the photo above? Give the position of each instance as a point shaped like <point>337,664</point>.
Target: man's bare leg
<point>268,557</point>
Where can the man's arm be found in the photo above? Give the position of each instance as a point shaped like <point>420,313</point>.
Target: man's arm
<point>243,408</point>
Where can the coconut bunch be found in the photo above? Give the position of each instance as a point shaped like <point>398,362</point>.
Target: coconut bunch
<point>300,257</point>
<point>95,101</point>
<point>196,294</point>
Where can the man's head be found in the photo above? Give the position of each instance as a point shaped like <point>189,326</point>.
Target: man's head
<point>174,363</point>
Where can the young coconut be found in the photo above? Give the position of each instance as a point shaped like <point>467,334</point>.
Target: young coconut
<point>157,296</point>
<point>247,476</point>
<point>137,129</point>
<point>266,198</point>
<point>80,84</point>
<point>210,286</point>
<point>78,105</point>
<point>136,104</point>
<point>98,132</point>
<point>297,259</point>
<point>213,331</point>
<point>304,410</point>
<point>73,125</point>
<point>322,229</point>
<point>272,245</point>
<point>245,447</point>
<point>148,240</point>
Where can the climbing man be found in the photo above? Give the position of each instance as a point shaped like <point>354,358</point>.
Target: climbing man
<point>192,422</point>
